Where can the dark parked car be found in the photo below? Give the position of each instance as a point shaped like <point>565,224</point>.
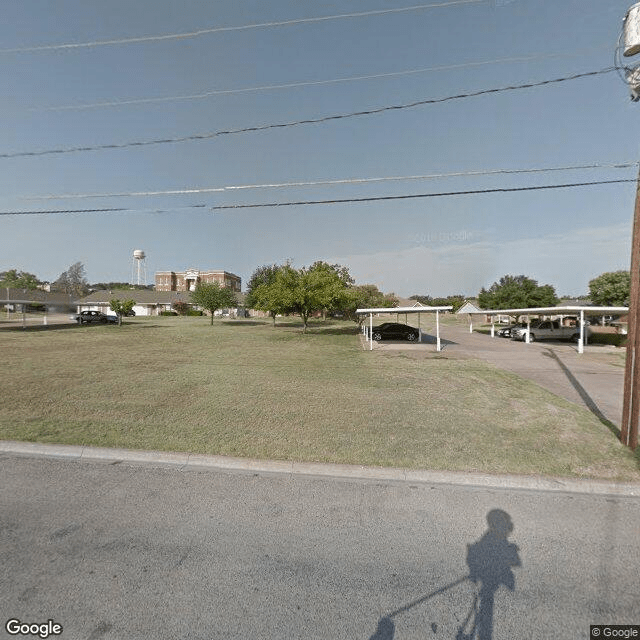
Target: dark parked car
<point>505,332</point>
<point>395,331</point>
<point>88,317</point>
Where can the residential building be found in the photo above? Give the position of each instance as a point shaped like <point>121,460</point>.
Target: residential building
<point>147,303</point>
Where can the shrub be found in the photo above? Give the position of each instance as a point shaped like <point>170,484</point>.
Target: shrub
<point>615,339</point>
<point>181,307</point>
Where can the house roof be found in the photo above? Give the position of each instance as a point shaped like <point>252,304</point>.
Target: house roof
<point>468,307</point>
<point>141,296</point>
<point>26,296</point>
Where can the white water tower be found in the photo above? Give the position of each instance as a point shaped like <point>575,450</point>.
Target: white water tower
<point>139,267</point>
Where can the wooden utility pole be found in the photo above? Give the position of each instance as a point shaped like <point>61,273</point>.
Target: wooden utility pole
<point>631,401</point>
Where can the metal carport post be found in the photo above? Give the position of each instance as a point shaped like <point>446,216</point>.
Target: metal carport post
<point>371,330</point>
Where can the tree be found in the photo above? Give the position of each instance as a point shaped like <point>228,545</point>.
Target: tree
<point>517,292</point>
<point>72,281</point>
<point>611,289</point>
<point>121,307</point>
<point>280,289</point>
<point>341,271</point>
<point>212,296</point>
<point>331,282</point>
<point>15,279</point>
<point>367,296</point>
<point>316,288</point>
<point>425,300</point>
<point>259,298</point>
<point>96,286</point>
<point>284,289</point>
<point>455,301</point>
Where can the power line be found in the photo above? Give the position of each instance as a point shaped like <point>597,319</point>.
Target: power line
<point>341,181</point>
<point>49,211</point>
<point>307,83</point>
<point>418,195</point>
<point>259,25</point>
<point>334,201</point>
<point>295,123</point>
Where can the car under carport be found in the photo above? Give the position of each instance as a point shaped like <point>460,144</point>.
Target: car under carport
<point>368,330</point>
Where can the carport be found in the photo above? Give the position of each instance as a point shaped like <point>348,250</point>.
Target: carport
<point>24,297</point>
<point>368,330</point>
<point>552,311</point>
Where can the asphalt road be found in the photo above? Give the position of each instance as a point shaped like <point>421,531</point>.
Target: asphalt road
<point>129,551</point>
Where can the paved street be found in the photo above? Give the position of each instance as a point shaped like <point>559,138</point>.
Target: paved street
<point>124,551</point>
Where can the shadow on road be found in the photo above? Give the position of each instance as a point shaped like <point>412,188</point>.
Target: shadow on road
<point>490,561</point>
<point>427,338</point>
<point>582,392</point>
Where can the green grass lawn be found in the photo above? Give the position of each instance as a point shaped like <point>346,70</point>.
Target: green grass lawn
<point>244,388</point>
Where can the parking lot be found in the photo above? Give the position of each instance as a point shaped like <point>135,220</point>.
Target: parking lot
<point>593,379</point>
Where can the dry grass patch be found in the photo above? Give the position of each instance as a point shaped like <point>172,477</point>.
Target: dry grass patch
<point>244,388</point>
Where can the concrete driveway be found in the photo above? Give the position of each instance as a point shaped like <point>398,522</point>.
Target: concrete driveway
<point>593,379</point>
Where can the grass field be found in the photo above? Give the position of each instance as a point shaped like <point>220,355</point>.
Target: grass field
<point>244,388</point>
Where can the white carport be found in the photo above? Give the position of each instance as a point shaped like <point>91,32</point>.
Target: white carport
<point>553,311</point>
<point>368,331</point>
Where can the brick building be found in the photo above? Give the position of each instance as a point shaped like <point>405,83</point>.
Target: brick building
<point>187,280</point>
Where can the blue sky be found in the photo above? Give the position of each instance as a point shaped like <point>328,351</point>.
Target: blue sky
<point>435,246</point>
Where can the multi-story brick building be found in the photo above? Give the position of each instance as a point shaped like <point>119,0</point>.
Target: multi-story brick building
<point>187,280</point>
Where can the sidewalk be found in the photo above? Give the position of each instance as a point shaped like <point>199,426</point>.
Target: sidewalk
<point>195,462</point>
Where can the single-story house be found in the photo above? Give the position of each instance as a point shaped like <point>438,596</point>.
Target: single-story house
<point>147,303</point>
<point>468,307</point>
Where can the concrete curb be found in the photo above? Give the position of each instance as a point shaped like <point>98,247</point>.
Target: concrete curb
<point>353,472</point>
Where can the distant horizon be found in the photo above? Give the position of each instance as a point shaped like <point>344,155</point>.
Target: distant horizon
<point>429,149</point>
<point>408,296</point>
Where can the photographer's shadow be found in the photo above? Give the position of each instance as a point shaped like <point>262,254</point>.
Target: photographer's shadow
<point>490,561</point>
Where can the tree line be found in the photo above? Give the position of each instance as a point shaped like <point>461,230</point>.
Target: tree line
<point>610,289</point>
<point>281,289</point>
<point>72,281</point>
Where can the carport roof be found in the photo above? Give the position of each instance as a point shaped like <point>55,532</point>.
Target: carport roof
<point>552,310</point>
<point>404,310</point>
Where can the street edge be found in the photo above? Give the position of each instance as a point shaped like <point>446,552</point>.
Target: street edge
<point>344,471</point>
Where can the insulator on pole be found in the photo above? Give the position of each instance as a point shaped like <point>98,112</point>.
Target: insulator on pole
<point>631,30</point>
<point>633,79</point>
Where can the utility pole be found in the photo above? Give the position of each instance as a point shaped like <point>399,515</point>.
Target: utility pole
<point>631,399</point>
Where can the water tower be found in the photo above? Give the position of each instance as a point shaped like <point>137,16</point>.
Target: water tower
<point>139,267</point>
